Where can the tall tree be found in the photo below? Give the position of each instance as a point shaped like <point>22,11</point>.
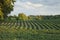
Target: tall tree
<point>6,6</point>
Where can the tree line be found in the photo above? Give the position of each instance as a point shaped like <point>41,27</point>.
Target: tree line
<point>22,16</point>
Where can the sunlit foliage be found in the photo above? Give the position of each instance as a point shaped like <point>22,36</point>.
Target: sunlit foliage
<point>6,6</point>
<point>22,16</point>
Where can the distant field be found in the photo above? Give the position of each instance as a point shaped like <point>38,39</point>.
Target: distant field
<point>30,30</point>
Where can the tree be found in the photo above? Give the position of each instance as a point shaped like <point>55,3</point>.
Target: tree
<point>22,16</point>
<point>39,17</point>
<point>6,6</point>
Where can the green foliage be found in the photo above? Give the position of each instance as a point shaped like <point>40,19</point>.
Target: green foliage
<point>6,6</point>
<point>7,33</point>
<point>22,16</point>
<point>39,17</point>
<point>1,14</point>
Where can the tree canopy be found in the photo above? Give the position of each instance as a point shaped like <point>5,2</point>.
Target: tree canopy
<point>6,6</point>
<point>22,16</point>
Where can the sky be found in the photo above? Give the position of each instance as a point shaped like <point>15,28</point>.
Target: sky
<point>37,7</point>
